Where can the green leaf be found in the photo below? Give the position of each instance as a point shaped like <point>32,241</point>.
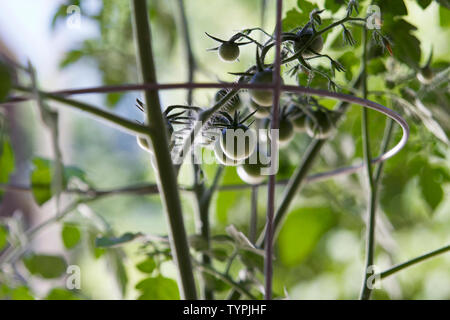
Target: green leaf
<point>334,5</point>
<point>5,81</point>
<point>70,58</point>
<point>198,242</point>
<point>45,266</point>
<point>444,3</point>
<point>406,46</point>
<point>113,98</point>
<point>252,260</point>
<point>444,17</point>
<point>146,266</point>
<point>61,294</point>
<point>6,163</point>
<point>430,187</point>
<point>71,235</point>
<point>21,293</point>
<point>41,178</point>
<point>424,3</point>
<point>295,18</point>
<point>109,242</point>
<point>392,8</point>
<point>3,237</point>
<point>301,232</point>
<point>158,288</point>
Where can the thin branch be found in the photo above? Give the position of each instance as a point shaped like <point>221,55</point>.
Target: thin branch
<point>130,126</point>
<point>253,214</point>
<point>409,263</point>
<point>238,287</point>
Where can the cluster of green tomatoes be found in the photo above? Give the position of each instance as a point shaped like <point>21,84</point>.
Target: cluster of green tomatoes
<point>229,133</point>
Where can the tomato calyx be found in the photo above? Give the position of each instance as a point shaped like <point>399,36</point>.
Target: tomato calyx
<point>236,140</point>
<point>233,104</point>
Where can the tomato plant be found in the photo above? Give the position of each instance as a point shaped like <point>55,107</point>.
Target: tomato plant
<point>266,167</point>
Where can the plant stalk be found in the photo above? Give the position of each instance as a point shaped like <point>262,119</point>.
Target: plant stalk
<point>371,216</point>
<point>162,161</point>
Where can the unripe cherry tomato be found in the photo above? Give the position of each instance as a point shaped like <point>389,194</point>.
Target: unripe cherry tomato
<point>261,112</point>
<point>285,132</point>
<point>262,97</point>
<point>229,51</point>
<point>241,146</point>
<point>251,170</point>
<point>299,122</point>
<point>303,37</point>
<point>222,157</point>
<point>425,75</point>
<point>320,126</point>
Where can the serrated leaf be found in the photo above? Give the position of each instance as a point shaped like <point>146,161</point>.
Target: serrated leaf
<point>406,46</point>
<point>109,242</point>
<point>295,18</point>
<point>71,235</point>
<point>158,288</point>
<point>45,266</point>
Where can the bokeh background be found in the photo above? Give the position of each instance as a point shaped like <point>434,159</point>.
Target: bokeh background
<point>321,248</point>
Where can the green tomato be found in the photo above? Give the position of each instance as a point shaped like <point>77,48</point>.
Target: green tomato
<point>253,167</point>
<point>222,158</point>
<point>238,144</point>
<point>232,104</point>
<point>316,45</point>
<point>229,51</point>
<point>262,97</point>
<point>320,126</point>
<point>389,84</point>
<point>261,112</point>
<point>285,132</point>
<point>242,173</point>
<point>425,75</point>
<point>299,122</point>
